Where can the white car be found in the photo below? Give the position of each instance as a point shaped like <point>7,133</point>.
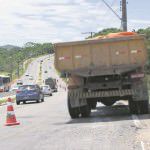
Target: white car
<point>26,74</point>
<point>14,88</point>
<point>46,90</point>
<point>30,78</point>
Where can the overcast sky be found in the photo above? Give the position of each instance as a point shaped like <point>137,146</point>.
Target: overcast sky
<point>22,21</point>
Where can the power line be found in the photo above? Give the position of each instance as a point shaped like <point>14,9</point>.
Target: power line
<point>111,5</point>
<point>112,10</point>
<point>123,19</point>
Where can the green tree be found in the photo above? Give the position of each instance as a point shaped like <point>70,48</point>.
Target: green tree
<point>9,59</point>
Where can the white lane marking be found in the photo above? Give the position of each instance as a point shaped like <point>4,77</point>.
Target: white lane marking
<point>142,145</point>
<point>136,121</point>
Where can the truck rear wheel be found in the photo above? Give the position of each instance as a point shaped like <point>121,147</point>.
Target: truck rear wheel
<point>138,107</point>
<point>143,107</point>
<point>92,104</point>
<point>108,102</point>
<point>74,112</point>
<point>85,111</point>
<point>133,106</point>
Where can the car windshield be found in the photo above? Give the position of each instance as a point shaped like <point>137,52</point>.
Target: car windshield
<point>27,87</point>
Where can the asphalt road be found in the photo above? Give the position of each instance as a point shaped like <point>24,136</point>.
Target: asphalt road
<point>32,71</point>
<point>47,125</point>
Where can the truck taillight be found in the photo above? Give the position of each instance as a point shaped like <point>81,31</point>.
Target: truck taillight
<point>18,91</point>
<point>137,75</point>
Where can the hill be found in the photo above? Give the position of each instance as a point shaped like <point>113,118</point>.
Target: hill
<point>10,47</point>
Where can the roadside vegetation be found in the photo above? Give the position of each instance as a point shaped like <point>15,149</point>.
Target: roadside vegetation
<point>14,60</point>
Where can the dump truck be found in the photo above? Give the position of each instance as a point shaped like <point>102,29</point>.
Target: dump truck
<point>105,69</point>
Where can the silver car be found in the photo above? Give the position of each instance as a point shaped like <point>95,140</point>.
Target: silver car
<point>46,90</point>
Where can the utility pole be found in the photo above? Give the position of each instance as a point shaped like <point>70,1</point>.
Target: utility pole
<point>123,4</point>
<point>91,33</point>
<point>124,15</point>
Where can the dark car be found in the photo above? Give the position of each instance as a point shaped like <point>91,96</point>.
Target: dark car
<point>52,83</point>
<point>19,82</point>
<point>29,93</point>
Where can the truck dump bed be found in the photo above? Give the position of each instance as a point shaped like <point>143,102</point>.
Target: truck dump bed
<point>101,56</point>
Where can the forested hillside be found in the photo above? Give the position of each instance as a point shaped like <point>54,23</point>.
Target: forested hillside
<point>10,58</point>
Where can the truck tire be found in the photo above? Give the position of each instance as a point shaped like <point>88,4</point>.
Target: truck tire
<point>133,106</point>
<point>92,104</point>
<point>85,111</point>
<point>143,106</point>
<point>138,107</point>
<point>108,102</point>
<point>74,112</point>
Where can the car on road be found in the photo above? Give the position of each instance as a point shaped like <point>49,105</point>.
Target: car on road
<point>46,90</point>
<point>26,75</point>
<point>45,71</point>
<point>29,93</point>
<point>30,78</point>
<point>19,82</point>
<point>52,83</point>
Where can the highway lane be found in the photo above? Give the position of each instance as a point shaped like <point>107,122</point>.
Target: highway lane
<point>32,70</point>
<point>47,125</point>
<point>48,66</point>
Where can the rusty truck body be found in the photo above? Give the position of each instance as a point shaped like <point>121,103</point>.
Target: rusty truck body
<point>105,69</point>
